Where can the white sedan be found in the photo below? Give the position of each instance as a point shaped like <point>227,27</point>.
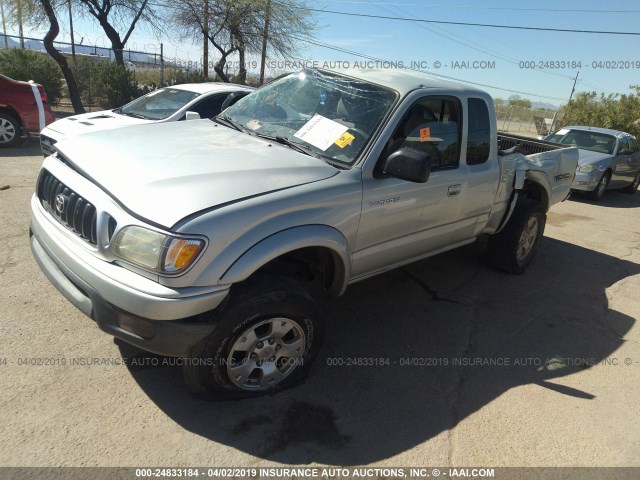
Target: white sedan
<point>169,104</point>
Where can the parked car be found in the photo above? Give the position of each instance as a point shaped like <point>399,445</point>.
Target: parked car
<point>203,240</point>
<point>23,110</point>
<point>609,159</point>
<point>168,104</point>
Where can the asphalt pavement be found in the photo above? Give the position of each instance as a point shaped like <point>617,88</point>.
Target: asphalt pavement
<point>443,362</point>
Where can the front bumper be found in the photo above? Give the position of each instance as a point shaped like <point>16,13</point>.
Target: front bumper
<point>151,316</point>
<point>586,182</point>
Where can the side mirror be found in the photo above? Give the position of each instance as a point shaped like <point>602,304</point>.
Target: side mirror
<point>626,151</point>
<point>233,98</point>
<point>408,164</point>
<point>192,115</point>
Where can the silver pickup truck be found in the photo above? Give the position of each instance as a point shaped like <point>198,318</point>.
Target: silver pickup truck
<point>205,240</point>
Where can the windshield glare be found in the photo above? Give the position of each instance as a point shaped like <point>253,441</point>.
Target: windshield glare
<point>333,115</point>
<point>596,142</point>
<point>159,104</point>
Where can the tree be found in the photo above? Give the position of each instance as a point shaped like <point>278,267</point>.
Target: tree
<point>18,13</point>
<point>237,26</point>
<point>115,14</point>
<point>29,65</point>
<point>54,29</point>
<point>615,111</point>
<point>519,102</point>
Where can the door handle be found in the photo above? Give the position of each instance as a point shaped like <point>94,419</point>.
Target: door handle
<point>454,190</point>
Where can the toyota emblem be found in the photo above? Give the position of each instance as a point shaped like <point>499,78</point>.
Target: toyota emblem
<point>60,203</point>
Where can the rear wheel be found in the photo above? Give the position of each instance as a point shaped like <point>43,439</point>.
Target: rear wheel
<point>9,130</point>
<point>266,339</point>
<point>515,246</point>
<point>633,188</point>
<point>598,193</point>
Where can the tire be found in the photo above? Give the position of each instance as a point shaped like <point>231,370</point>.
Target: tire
<point>243,357</point>
<point>9,130</point>
<point>633,188</point>
<point>514,247</point>
<point>601,187</point>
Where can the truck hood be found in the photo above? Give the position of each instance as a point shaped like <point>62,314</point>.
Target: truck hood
<point>167,171</point>
<point>588,157</point>
<point>91,122</point>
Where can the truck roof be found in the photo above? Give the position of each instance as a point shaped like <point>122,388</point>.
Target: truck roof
<point>405,81</point>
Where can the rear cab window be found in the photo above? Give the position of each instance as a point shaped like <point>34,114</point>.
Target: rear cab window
<point>479,133</point>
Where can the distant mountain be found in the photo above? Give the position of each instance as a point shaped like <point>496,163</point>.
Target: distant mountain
<point>545,106</point>
<point>10,41</point>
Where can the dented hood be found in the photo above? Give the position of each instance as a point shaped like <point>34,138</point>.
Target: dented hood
<point>165,172</point>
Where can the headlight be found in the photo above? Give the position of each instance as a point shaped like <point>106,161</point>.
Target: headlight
<point>587,168</point>
<point>156,251</point>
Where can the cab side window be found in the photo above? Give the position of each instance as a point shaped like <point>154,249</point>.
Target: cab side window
<point>623,144</point>
<point>209,107</point>
<point>633,145</point>
<point>431,125</point>
<point>479,134</point>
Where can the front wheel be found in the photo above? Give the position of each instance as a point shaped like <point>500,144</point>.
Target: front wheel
<point>515,246</point>
<point>266,339</point>
<point>598,193</point>
<point>633,188</point>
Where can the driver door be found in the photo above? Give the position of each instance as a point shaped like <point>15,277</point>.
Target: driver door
<point>401,220</point>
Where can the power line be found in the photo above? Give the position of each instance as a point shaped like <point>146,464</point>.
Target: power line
<point>476,7</point>
<point>369,57</point>
<point>468,45</point>
<point>487,25</point>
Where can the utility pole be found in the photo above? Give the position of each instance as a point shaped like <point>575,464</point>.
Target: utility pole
<point>573,89</point>
<point>4,25</point>
<point>20,31</point>
<point>205,46</point>
<point>265,39</point>
<point>73,43</point>
<point>161,63</point>
<point>574,85</point>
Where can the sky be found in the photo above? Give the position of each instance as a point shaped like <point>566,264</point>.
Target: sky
<point>538,65</point>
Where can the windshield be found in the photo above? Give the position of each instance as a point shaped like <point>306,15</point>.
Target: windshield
<point>159,104</point>
<point>596,142</point>
<point>331,115</point>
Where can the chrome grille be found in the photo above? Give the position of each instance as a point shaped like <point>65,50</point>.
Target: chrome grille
<point>69,208</point>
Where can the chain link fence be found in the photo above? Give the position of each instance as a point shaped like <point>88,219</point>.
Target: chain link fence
<point>530,122</point>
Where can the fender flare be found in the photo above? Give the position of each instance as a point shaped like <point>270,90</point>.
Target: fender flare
<point>521,176</point>
<point>289,240</point>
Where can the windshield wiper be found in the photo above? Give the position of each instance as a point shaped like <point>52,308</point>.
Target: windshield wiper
<point>298,147</point>
<point>134,115</point>
<point>224,120</point>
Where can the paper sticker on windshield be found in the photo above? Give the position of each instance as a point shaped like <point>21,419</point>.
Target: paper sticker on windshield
<point>321,132</point>
<point>563,131</point>
<point>345,139</point>
<point>425,134</point>
<point>254,124</point>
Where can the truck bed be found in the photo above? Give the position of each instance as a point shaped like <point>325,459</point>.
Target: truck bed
<point>527,145</point>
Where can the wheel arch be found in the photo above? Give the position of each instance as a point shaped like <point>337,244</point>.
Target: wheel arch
<point>11,111</point>
<point>535,190</point>
<point>314,252</point>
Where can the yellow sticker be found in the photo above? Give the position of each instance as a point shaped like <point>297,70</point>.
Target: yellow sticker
<point>425,134</point>
<point>345,139</point>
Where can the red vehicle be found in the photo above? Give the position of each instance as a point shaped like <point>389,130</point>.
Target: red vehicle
<point>23,110</point>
